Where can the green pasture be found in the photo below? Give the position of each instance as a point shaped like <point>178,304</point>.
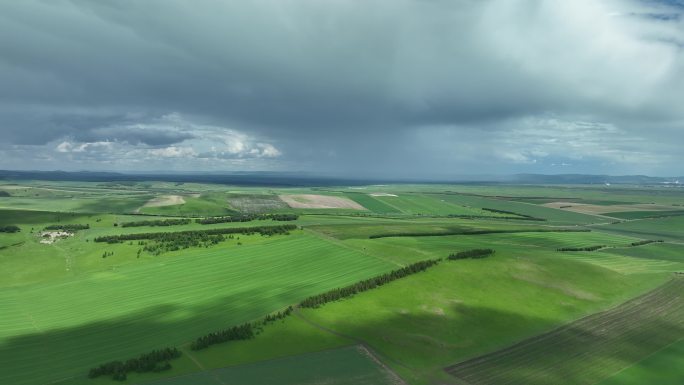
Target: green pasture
<point>344,366</point>
<point>418,204</point>
<point>673,252</point>
<point>645,214</point>
<point>553,216</point>
<point>372,203</point>
<point>460,309</point>
<point>665,367</point>
<point>71,324</point>
<point>383,226</point>
<point>669,229</point>
<point>65,308</point>
<point>207,204</point>
<point>591,349</point>
<point>411,249</point>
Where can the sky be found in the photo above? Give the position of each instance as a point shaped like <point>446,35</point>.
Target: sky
<point>360,88</point>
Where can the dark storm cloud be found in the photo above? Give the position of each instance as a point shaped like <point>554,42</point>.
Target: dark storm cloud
<point>340,85</point>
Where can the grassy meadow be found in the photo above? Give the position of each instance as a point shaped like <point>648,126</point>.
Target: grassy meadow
<point>71,303</point>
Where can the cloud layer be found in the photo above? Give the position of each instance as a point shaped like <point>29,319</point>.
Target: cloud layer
<point>396,88</point>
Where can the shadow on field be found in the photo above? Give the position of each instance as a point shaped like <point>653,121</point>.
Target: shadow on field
<point>588,350</point>
<point>429,339</point>
<point>581,356</point>
<point>50,355</point>
<point>423,340</point>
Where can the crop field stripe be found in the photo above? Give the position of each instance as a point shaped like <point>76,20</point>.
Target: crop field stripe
<point>625,264</point>
<point>195,283</point>
<point>371,203</point>
<point>571,354</point>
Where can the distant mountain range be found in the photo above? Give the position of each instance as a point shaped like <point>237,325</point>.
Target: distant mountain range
<point>267,178</point>
<point>594,179</point>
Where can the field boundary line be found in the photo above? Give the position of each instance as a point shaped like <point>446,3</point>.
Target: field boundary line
<point>601,318</point>
<point>192,358</point>
<point>546,334</point>
<point>359,341</point>
<point>338,242</point>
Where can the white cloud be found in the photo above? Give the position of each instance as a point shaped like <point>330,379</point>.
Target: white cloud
<point>197,144</point>
<point>69,147</point>
<point>533,139</point>
<point>173,152</point>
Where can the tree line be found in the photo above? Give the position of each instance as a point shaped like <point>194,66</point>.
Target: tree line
<point>365,285</point>
<point>525,216</point>
<point>241,332</point>
<point>183,241</point>
<point>157,222</point>
<point>245,331</point>
<point>247,218</point>
<point>154,361</point>
<point>171,236</point>
<point>473,254</point>
<point>645,242</point>
<point>586,248</point>
<point>474,232</point>
<point>9,229</point>
<point>68,227</point>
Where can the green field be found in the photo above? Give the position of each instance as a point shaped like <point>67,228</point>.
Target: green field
<point>373,204</point>
<point>79,322</point>
<point>664,367</point>
<point>669,229</point>
<point>673,252</point>
<point>645,214</point>
<point>590,349</point>
<point>344,366</point>
<point>75,303</point>
<point>460,309</point>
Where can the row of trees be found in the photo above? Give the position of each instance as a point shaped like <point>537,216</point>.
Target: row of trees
<point>247,218</point>
<point>473,254</point>
<point>645,242</point>
<point>154,361</point>
<point>9,229</point>
<point>522,216</point>
<point>68,227</point>
<point>172,236</point>
<point>368,284</point>
<point>157,222</point>
<point>241,332</point>
<point>586,248</point>
<point>474,232</point>
<point>278,316</point>
<point>184,241</point>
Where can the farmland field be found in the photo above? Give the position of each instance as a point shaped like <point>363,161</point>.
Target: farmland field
<point>85,298</point>
<point>344,366</point>
<point>664,367</point>
<point>601,344</point>
<point>192,292</point>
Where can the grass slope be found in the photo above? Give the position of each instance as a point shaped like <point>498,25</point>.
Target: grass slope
<point>665,367</point>
<point>373,204</point>
<point>345,366</point>
<point>553,216</point>
<point>590,349</point>
<point>461,309</point>
<point>669,229</point>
